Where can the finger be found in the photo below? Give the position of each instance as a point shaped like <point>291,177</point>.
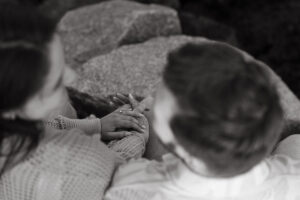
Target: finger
<point>132,113</point>
<point>91,116</point>
<point>129,119</point>
<point>123,97</point>
<point>130,124</point>
<point>145,105</point>
<point>119,100</point>
<point>114,102</point>
<point>125,107</point>
<point>111,103</point>
<point>116,135</point>
<point>134,103</point>
<point>140,108</point>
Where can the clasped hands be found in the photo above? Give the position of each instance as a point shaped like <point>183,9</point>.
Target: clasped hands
<point>124,121</point>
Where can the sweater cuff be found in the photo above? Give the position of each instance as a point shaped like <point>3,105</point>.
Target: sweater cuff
<point>99,125</point>
<point>89,126</point>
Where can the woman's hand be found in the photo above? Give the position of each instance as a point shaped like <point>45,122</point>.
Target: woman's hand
<point>122,118</point>
<point>120,134</point>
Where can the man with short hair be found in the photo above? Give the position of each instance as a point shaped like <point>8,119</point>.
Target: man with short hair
<point>218,113</point>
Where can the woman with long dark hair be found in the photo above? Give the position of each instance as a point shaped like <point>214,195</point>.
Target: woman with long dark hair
<point>38,161</point>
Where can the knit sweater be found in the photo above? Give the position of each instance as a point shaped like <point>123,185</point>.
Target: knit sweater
<point>69,164</point>
<point>275,178</point>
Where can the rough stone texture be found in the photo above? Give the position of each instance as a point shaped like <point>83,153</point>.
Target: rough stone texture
<point>57,8</point>
<point>131,68</point>
<point>137,68</point>
<point>99,28</point>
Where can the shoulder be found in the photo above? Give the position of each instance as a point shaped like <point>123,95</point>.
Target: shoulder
<point>290,147</point>
<point>136,180</point>
<point>286,156</point>
<point>141,172</point>
<point>66,165</point>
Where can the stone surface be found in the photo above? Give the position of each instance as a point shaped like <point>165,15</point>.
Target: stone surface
<point>57,8</point>
<point>99,28</point>
<point>137,69</point>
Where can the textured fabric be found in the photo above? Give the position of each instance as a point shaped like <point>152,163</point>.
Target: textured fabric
<point>89,126</point>
<point>129,147</point>
<point>276,178</point>
<point>132,146</point>
<point>69,164</point>
<point>66,109</point>
<point>66,166</point>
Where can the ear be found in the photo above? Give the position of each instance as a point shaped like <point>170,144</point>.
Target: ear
<point>70,76</point>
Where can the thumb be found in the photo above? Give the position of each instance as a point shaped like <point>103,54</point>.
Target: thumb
<point>134,103</point>
<point>145,104</point>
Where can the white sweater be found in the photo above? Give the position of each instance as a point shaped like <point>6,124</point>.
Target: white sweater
<point>276,178</point>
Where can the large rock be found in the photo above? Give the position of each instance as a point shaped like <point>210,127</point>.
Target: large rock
<point>99,28</point>
<point>57,8</point>
<point>137,69</point>
<point>132,68</point>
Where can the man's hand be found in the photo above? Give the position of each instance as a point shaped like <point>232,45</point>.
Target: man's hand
<point>118,100</point>
<point>134,104</point>
<point>121,119</point>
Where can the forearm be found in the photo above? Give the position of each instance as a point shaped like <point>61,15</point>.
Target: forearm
<point>88,126</point>
<point>132,146</point>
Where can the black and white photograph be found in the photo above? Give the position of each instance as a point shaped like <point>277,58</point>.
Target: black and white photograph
<point>149,99</point>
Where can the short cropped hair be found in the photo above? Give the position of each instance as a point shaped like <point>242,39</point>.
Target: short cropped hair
<point>230,117</point>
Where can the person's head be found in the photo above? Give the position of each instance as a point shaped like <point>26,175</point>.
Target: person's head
<point>217,110</point>
<point>31,76</point>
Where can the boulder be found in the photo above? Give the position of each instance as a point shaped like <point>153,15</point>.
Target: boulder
<point>137,69</point>
<point>97,29</point>
<point>131,68</point>
<point>55,9</point>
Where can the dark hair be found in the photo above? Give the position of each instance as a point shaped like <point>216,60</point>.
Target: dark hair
<point>24,37</point>
<point>230,115</point>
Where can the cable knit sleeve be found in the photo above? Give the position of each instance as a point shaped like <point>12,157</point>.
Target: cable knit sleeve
<point>88,126</point>
<point>69,166</point>
<point>132,146</point>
